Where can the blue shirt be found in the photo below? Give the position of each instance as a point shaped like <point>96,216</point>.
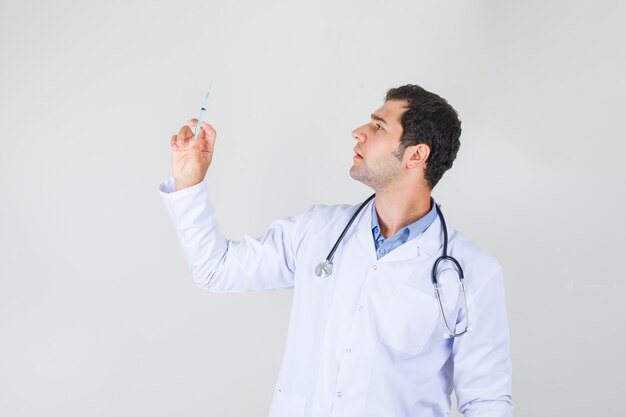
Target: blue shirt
<point>384,246</point>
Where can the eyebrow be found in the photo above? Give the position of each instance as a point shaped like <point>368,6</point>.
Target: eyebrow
<point>379,119</point>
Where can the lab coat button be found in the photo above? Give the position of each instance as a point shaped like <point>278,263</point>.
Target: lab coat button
<point>348,350</point>
<point>374,267</point>
<point>360,308</point>
<point>339,394</point>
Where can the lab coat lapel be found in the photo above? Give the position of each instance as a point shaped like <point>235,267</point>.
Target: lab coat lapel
<point>364,232</point>
<point>430,242</point>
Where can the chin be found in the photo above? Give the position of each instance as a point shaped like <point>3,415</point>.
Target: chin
<point>358,176</point>
<point>354,173</point>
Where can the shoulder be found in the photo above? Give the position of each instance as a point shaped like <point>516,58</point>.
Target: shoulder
<point>477,263</point>
<point>330,211</point>
<point>322,220</point>
<point>324,215</point>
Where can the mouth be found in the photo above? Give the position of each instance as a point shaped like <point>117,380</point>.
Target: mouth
<point>357,154</point>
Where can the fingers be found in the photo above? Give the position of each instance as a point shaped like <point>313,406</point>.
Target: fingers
<point>184,138</point>
<point>206,137</point>
<point>185,134</point>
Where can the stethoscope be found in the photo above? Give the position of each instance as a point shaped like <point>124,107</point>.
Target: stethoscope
<point>325,268</point>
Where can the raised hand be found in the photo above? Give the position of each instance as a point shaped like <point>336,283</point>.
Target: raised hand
<point>190,160</point>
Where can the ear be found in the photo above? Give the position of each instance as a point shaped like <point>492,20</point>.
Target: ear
<point>417,155</point>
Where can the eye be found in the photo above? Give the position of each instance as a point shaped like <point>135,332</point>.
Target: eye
<point>379,127</point>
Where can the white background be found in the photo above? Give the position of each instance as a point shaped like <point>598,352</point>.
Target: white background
<point>98,315</point>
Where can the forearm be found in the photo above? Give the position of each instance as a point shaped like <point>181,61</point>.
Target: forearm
<point>192,215</point>
<point>482,363</point>
<point>223,265</point>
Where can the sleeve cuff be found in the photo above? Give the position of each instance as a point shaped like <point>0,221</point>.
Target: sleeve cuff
<point>186,205</point>
<point>168,188</point>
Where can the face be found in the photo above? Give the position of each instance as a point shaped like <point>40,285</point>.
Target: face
<point>375,163</point>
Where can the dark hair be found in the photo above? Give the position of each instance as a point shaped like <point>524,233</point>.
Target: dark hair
<point>429,119</point>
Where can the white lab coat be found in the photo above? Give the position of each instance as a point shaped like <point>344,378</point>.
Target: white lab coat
<point>369,340</point>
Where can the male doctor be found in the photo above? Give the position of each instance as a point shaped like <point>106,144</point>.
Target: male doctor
<point>370,339</point>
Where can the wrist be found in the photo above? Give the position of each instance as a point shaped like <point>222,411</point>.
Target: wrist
<point>181,185</point>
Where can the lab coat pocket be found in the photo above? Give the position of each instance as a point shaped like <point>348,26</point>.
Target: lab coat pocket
<point>409,319</point>
<point>287,405</point>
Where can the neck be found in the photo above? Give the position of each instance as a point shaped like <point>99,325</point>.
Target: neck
<point>398,207</point>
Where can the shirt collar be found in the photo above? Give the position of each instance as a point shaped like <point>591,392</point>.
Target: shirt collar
<point>413,230</point>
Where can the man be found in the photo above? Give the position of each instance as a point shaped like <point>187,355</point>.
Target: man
<point>372,339</point>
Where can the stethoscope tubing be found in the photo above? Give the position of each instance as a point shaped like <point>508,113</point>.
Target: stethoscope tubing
<point>331,254</point>
<point>325,267</point>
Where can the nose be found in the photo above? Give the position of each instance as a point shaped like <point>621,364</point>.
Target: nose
<point>359,134</point>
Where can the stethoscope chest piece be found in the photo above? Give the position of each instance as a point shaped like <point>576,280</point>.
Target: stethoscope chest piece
<point>324,269</point>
